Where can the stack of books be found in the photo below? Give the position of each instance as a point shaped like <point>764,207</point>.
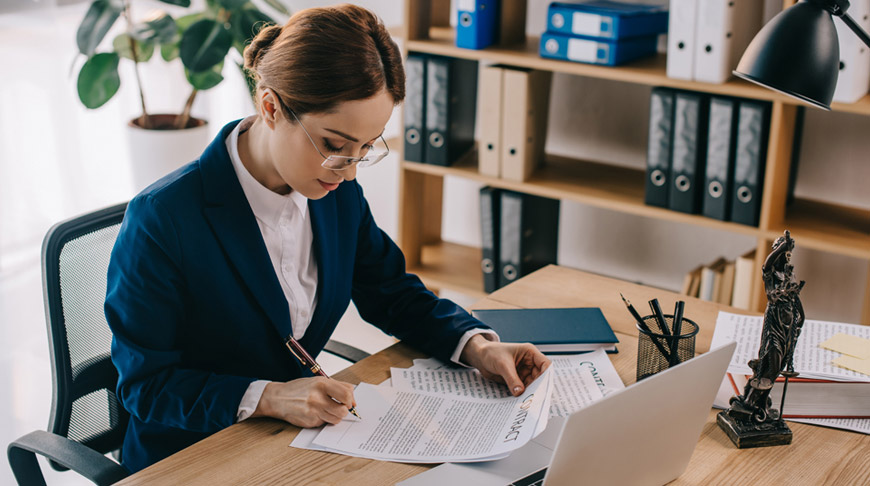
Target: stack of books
<point>602,31</point>
<point>724,281</point>
<point>822,394</point>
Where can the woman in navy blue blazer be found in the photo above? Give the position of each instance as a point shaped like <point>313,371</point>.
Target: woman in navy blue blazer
<point>267,235</point>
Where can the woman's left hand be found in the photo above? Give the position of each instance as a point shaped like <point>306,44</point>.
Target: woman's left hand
<point>514,364</point>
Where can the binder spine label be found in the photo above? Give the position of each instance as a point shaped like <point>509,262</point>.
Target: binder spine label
<point>585,51</point>
<point>415,107</point>
<point>511,236</point>
<point>659,149</point>
<point>467,5</point>
<point>588,24</point>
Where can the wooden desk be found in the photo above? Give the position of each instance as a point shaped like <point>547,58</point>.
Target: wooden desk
<point>257,451</point>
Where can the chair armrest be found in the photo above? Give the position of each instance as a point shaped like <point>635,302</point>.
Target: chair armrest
<point>345,351</point>
<point>87,462</point>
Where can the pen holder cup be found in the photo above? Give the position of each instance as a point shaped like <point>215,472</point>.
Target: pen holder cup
<point>654,349</point>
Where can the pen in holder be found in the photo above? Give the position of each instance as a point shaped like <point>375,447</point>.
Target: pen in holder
<point>654,348</point>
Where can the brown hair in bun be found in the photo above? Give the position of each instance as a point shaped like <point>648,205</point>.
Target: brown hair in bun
<point>325,56</point>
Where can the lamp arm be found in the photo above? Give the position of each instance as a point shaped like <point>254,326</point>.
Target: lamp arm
<point>855,28</point>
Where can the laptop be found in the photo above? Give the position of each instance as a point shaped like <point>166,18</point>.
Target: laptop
<point>641,435</point>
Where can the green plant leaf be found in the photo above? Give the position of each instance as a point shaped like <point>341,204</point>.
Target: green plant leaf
<point>180,3</point>
<point>169,52</point>
<point>246,23</point>
<point>204,44</point>
<point>206,79</point>
<point>278,6</point>
<point>98,80</point>
<point>232,4</point>
<point>159,27</point>
<point>183,23</point>
<point>121,45</point>
<point>100,17</point>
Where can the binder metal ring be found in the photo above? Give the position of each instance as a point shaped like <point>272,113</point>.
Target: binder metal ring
<point>510,272</point>
<point>683,183</point>
<point>465,19</point>
<point>487,265</point>
<point>715,189</point>
<point>657,177</point>
<point>436,140</point>
<point>744,194</point>
<point>558,20</point>
<point>412,136</point>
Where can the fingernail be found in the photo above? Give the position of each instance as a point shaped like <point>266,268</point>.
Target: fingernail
<point>517,389</point>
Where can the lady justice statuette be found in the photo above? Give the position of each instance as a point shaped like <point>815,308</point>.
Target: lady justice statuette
<point>751,421</point>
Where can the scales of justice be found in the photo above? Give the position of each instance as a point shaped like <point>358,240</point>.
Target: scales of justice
<point>751,421</point>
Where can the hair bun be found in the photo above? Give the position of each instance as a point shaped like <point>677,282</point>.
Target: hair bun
<point>260,45</point>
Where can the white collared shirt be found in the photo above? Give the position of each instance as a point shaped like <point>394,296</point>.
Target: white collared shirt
<point>286,230</point>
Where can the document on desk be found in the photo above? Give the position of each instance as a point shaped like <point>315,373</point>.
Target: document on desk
<point>414,426</point>
<point>578,380</point>
<point>810,360</point>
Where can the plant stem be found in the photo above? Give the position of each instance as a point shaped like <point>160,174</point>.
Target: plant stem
<point>181,121</point>
<point>144,119</point>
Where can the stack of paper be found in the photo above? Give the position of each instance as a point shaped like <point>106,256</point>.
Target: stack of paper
<point>433,412</point>
<point>810,360</point>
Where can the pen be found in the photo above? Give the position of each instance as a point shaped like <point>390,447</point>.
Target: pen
<point>660,318</point>
<point>678,324</point>
<point>642,324</point>
<point>307,361</point>
<point>663,325</point>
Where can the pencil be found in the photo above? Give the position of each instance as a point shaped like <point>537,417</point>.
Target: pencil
<point>307,361</point>
<point>642,325</point>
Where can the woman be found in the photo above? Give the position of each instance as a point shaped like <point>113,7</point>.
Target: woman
<point>268,235</point>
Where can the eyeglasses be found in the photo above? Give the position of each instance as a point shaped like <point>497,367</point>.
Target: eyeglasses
<point>340,162</point>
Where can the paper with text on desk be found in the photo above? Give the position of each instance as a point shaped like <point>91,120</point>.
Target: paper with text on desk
<point>412,426</point>
<point>578,380</point>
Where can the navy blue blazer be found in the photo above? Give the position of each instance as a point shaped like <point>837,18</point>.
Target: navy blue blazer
<point>197,312</point>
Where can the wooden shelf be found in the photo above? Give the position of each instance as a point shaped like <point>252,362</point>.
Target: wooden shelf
<point>600,185</point>
<point>814,225</point>
<point>451,266</point>
<point>649,71</point>
<point>827,227</point>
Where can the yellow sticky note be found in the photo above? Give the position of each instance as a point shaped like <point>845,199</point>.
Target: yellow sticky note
<point>854,364</point>
<point>847,344</point>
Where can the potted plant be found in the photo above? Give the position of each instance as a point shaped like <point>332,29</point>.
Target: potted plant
<point>201,40</point>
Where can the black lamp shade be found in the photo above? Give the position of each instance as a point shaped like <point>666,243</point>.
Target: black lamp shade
<point>797,53</point>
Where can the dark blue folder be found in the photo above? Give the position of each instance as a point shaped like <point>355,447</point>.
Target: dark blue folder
<point>568,330</point>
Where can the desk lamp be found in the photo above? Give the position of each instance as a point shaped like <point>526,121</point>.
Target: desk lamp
<point>797,53</point>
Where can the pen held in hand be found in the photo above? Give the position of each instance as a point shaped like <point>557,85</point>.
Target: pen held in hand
<point>307,361</point>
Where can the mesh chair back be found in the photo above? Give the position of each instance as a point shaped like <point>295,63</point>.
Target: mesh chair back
<point>75,260</point>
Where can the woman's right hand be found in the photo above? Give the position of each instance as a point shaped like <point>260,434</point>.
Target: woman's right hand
<point>306,402</point>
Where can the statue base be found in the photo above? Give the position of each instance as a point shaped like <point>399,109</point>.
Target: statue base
<point>745,435</point>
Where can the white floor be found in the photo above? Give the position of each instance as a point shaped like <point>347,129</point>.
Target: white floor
<point>25,373</point>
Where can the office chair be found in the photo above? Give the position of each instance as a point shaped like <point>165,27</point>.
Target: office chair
<point>87,420</point>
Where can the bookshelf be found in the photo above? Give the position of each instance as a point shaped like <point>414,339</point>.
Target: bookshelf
<point>820,226</point>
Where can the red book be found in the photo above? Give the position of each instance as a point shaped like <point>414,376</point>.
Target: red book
<point>810,398</point>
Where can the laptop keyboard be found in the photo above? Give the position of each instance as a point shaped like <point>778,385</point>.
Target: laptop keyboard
<point>534,479</point>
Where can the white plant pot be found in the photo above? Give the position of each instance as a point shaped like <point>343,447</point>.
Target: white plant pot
<point>155,153</point>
